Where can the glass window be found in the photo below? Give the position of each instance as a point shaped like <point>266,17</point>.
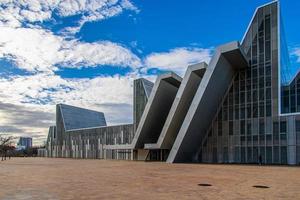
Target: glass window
<point>220,115</point>
<point>261,109</point>
<point>249,155</point>
<point>283,127</point>
<point>262,153</point>
<point>254,73</point>
<point>283,139</point>
<point>283,155</point>
<point>254,95</point>
<point>261,94</point>
<point>261,47</point>
<point>268,108</point>
<point>255,154</point>
<point>268,27</point>
<point>254,52</point>
<point>230,99</point>
<point>243,112</point>
<point>276,154</point>
<point>268,93</point>
<point>268,155</point>
<point>261,82</point>
<point>230,113</point>
<point>269,140</point>
<point>237,154</point>
<point>236,97</point>
<point>249,111</point>
<point>242,127</point>
<point>261,71</point>
<point>255,126</point>
<point>225,113</point>
<point>261,127</point>
<point>268,129</point>
<point>219,128</point>
<point>268,69</point>
<point>268,50</point>
<point>249,130</point>
<point>297,126</point>
<point>248,84</point>
<point>249,97</point>
<point>236,128</point>
<point>242,97</point>
<point>255,140</point>
<point>243,155</point>
<point>237,112</point>
<point>230,129</point>
<point>275,127</point>
<point>276,138</point>
<point>262,140</point>
<point>255,110</point>
<point>268,81</point>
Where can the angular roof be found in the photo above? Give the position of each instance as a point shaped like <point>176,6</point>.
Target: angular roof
<point>148,85</point>
<point>78,118</point>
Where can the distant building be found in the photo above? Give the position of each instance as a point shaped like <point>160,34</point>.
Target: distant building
<point>25,142</point>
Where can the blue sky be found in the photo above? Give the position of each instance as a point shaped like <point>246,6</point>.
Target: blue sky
<point>87,52</point>
<point>164,25</point>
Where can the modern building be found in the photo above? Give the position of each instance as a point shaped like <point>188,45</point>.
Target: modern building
<point>24,143</point>
<point>82,133</point>
<point>241,107</point>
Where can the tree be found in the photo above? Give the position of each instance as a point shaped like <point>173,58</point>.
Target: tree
<point>6,146</point>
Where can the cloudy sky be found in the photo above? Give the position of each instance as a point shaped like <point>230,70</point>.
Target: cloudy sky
<point>87,52</point>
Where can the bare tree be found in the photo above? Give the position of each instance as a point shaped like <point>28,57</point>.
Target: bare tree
<point>6,146</point>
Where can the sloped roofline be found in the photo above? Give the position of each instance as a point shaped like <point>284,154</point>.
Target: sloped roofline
<point>259,7</point>
<point>63,119</point>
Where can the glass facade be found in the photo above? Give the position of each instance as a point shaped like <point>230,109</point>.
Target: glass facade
<point>247,126</point>
<point>141,89</point>
<point>89,143</point>
<point>76,118</point>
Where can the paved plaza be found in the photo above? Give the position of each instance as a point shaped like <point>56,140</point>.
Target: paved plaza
<point>54,178</point>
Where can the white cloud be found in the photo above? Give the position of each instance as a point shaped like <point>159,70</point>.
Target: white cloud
<point>30,49</point>
<point>103,53</point>
<point>28,102</point>
<point>177,59</point>
<point>41,87</point>
<point>14,12</point>
<point>296,52</point>
<point>35,49</point>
